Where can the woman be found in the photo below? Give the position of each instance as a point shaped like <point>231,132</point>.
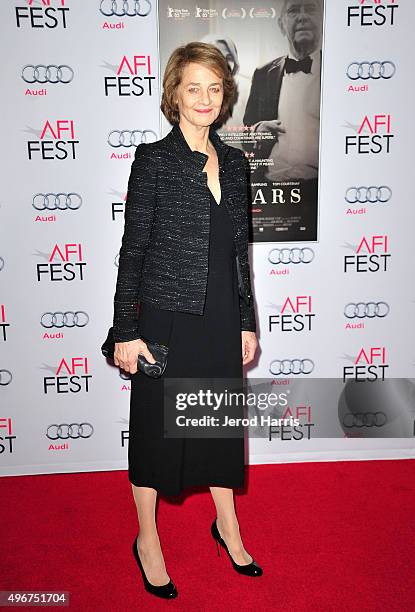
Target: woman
<point>184,247</point>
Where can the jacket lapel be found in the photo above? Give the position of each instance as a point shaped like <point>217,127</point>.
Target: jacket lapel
<point>196,159</point>
<point>274,82</point>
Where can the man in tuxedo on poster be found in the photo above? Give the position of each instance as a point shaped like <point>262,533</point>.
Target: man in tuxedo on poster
<point>283,113</point>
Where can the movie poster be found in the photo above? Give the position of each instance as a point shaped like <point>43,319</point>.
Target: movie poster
<point>275,54</point>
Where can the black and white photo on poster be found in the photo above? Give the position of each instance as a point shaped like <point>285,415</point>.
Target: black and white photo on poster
<point>275,55</point>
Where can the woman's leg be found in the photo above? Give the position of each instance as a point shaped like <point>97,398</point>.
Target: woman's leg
<point>149,547</point>
<point>228,524</point>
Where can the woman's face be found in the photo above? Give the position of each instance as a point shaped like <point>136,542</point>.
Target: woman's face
<point>199,95</point>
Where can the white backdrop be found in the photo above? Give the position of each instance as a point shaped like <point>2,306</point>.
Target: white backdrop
<point>58,253</point>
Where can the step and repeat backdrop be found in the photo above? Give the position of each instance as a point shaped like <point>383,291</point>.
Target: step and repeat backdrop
<point>330,143</point>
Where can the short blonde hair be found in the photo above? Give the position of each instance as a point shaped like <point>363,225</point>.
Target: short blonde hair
<point>199,53</point>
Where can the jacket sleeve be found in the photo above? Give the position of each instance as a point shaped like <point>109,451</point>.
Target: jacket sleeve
<point>248,321</point>
<point>138,217</point>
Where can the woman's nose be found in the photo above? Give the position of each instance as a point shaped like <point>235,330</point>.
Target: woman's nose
<point>205,98</point>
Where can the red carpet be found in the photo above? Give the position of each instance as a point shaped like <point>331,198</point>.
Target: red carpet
<point>330,536</point>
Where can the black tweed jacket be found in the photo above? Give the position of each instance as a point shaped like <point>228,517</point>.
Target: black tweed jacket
<point>164,253</point>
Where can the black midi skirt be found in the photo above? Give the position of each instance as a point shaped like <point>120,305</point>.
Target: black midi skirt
<point>200,346</point>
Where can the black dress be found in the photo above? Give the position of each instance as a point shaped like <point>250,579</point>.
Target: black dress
<point>199,346</point>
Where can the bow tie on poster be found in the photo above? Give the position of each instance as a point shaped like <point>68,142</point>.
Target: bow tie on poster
<point>303,65</point>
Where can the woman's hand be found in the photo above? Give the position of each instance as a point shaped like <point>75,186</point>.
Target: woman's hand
<point>249,346</point>
<point>126,354</point>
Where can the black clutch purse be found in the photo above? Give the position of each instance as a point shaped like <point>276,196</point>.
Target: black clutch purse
<point>159,352</point>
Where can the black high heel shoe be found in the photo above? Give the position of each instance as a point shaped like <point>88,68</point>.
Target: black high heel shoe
<point>167,591</point>
<point>251,569</point>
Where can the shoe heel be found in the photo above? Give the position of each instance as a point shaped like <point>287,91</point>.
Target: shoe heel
<point>249,569</point>
<point>217,547</point>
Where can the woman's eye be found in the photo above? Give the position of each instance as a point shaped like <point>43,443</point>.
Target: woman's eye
<point>195,90</point>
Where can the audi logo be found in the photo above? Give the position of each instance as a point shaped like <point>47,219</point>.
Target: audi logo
<point>370,70</point>
<point>64,319</point>
<point>364,419</point>
<point>57,201</point>
<point>364,195</point>
<point>291,366</point>
<point>5,378</point>
<point>366,310</point>
<point>71,430</point>
<point>128,138</point>
<point>295,255</point>
<point>124,8</point>
<point>47,74</point>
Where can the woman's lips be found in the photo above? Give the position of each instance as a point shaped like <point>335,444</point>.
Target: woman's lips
<point>203,111</point>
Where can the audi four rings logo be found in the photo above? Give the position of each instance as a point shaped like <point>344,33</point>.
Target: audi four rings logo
<point>366,310</point>
<point>5,378</point>
<point>291,366</point>
<point>47,74</point>
<point>130,138</point>
<point>56,201</point>
<point>64,319</point>
<point>125,8</point>
<point>371,194</point>
<point>370,70</point>
<point>364,419</point>
<point>294,255</point>
<point>69,430</point>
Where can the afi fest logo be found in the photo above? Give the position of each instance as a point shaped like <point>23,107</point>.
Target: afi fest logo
<point>6,435</point>
<point>51,14</point>
<point>371,256</point>
<point>56,141</point>
<point>3,323</point>
<point>369,365</point>
<point>118,207</point>
<point>302,431</point>
<point>296,315</point>
<point>377,141</point>
<point>368,13</point>
<point>71,376</point>
<point>64,264</point>
<point>136,80</point>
